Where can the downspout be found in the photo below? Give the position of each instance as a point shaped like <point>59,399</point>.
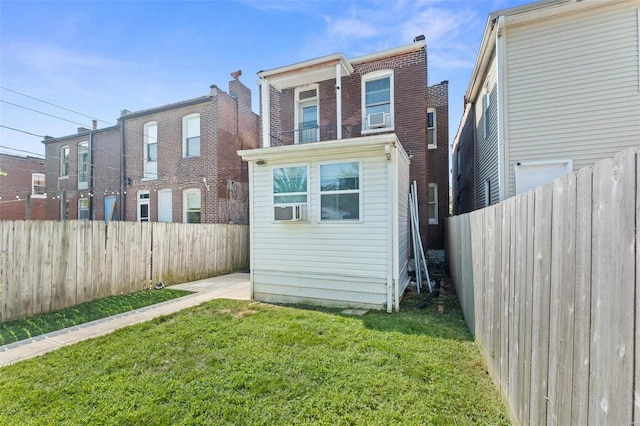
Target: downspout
<point>91,170</point>
<point>502,122</point>
<point>251,224</point>
<point>387,149</point>
<point>338,101</point>
<point>123,178</point>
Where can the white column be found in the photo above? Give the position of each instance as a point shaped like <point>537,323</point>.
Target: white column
<point>338,101</point>
<point>266,116</point>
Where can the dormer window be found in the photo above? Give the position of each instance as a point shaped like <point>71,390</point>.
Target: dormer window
<point>377,101</point>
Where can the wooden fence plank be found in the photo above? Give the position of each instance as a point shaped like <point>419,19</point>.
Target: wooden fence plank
<point>561,301</point>
<point>636,392</point>
<point>506,292</point>
<point>513,315</point>
<point>582,316</point>
<point>541,288</point>
<point>612,334</point>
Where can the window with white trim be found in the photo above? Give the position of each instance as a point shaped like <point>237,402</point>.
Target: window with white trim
<point>83,165</point>
<point>432,141</point>
<point>432,204</point>
<point>191,136</point>
<point>192,205</point>
<point>377,101</point>
<point>340,191</point>
<point>143,205</point>
<point>64,162</point>
<point>307,114</point>
<point>150,150</point>
<point>83,209</point>
<point>37,185</point>
<point>290,193</point>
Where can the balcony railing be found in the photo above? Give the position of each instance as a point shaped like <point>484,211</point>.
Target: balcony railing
<point>307,135</point>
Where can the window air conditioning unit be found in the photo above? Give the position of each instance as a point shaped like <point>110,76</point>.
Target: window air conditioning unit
<point>376,120</point>
<point>290,213</point>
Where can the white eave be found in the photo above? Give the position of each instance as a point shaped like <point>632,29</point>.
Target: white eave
<point>307,72</point>
<point>520,15</point>
<point>307,150</point>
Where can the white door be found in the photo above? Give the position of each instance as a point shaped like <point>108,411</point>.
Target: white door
<point>532,174</point>
<point>165,206</point>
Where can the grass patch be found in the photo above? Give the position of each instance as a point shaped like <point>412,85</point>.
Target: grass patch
<point>237,362</point>
<point>16,330</point>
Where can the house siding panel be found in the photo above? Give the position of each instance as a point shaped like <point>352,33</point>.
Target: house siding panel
<point>573,87</point>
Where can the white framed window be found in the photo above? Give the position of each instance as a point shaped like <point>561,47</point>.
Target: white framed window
<point>340,191</point>
<point>150,151</point>
<point>432,204</point>
<point>192,205</point>
<point>307,114</point>
<point>377,101</point>
<point>64,162</point>
<point>110,213</point>
<point>191,135</point>
<point>144,197</point>
<point>432,137</point>
<point>83,165</point>
<point>37,185</point>
<point>290,193</point>
<point>83,209</point>
<point>486,103</point>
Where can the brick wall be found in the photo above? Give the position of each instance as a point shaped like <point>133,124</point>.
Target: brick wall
<point>15,188</point>
<point>63,192</point>
<point>438,161</point>
<point>227,124</point>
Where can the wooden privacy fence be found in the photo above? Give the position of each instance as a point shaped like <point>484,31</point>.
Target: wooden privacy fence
<point>549,281</point>
<point>47,265</point>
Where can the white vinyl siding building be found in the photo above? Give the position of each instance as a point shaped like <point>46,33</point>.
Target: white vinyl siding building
<point>573,87</point>
<point>560,84</point>
<point>358,261</point>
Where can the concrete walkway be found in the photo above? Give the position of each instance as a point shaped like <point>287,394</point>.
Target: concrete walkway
<point>232,286</point>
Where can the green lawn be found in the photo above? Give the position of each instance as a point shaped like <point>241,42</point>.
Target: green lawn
<point>15,330</point>
<point>233,362</point>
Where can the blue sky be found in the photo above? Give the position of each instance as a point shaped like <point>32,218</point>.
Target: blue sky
<point>97,58</point>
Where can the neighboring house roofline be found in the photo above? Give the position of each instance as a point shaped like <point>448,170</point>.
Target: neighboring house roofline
<point>520,15</point>
<point>127,115</point>
<point>50,139</point>
<point>323,68</point>
<point>411,47</point>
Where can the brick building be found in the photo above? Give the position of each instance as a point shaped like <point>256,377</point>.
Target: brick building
<point>22,188</point>
<point>83,174</point>
<point>180,162</point>
<point>305,108</point>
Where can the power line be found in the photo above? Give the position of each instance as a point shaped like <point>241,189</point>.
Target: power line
<point>43,113</point>
<point>21,150</point>
<point>23,131</point>
<point>52,104</point>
